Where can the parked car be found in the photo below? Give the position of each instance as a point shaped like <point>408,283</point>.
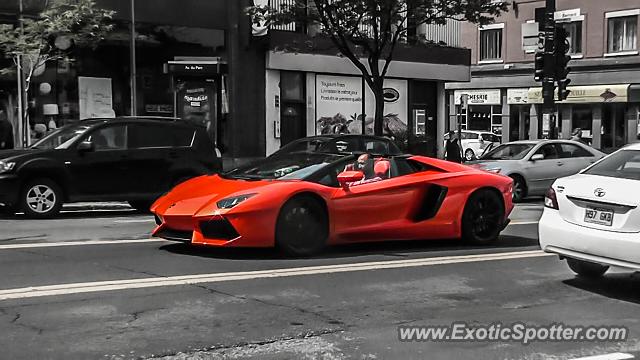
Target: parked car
<point>345,143</point>
<point>593,218</point>
<point>134,159</point>
<point>473,143</point>
<point>535,164</point>
<point>308,200</point>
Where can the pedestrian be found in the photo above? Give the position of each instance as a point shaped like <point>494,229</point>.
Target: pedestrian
<point>453,148</point>
<point>6,132</point>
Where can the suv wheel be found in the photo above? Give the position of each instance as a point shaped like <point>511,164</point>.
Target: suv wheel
<point>41,198</point>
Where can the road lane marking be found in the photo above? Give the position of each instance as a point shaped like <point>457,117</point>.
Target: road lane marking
<point>614,356</point>
<point>113,285</point>
<point>77,243</point>
<point>523,223</point>
<point>128,221</point>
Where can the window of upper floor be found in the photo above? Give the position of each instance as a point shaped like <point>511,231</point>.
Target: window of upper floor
<point>622,32</point>
<point>574,29</point>
<point>491,43</point>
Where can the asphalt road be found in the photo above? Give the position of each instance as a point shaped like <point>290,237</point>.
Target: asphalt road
<point>92,285</point>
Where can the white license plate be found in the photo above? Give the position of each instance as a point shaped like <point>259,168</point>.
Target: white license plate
<point>599,216</point>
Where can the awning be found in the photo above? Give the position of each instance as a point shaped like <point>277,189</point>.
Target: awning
<point>587,94</point>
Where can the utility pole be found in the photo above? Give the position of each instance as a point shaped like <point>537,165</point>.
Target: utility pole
<point>548,81</point>
<point>132,58</point>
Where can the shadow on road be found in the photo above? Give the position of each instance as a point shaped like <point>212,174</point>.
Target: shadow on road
<point>620,286</point>
<point>398,249</point>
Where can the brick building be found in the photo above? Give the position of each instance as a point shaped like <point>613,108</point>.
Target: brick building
<point>605,77</point>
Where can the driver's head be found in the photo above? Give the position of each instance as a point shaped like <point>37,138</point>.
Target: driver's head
<point>381,168</point>
<point>362,161</point>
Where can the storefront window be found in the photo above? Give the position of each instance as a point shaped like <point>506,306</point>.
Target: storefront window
<point>582,118</point>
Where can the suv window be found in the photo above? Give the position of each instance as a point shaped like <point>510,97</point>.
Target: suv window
<point>572,151</point>
<point>150,135</point>
<point>469,136</point>
<point>109,138</point>
<point>376,146</point>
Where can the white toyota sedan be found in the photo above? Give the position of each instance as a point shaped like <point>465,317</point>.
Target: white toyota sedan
<point>593,218</point>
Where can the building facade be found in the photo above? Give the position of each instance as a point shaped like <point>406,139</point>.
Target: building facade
<point>202,61</point>
<point>604,102</point>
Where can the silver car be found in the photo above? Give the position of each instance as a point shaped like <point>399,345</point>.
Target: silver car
<point>535,164</point>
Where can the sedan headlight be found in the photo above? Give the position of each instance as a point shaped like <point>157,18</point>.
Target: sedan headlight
<point>494,170</point>
<point>6,166</point>
<point>228,203</point>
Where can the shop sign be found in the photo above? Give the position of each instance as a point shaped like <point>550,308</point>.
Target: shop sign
<point>159,108</point>
<point>95,97</point>
<point>517,96</point>
<point>567,15</point>
<point>587,94</point>
<point>479,97</point>
<point>338,104</point>
<point>190,68</point>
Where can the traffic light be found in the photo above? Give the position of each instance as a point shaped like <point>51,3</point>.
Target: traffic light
<point>562,59</point>
<point>539,67</point>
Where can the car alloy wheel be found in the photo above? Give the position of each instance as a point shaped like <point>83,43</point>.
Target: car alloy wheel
<point>41,198</point>
<point>469,155</point>
<point>519,189</point>
<point>302,227</point>
<point>483,216</point>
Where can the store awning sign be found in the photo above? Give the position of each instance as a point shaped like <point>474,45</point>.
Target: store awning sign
<point>617,93</point>
<point>479,97</point>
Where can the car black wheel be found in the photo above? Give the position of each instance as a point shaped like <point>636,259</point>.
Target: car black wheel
<point>141,205</point>
<point>469,155</point>
<point>482,219</point>
<point>302,227</point>
<point>587,269</point>
<point>519,188</point>
<point>41,198</point>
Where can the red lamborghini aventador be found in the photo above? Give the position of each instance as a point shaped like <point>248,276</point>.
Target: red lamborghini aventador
<point>307,201</point>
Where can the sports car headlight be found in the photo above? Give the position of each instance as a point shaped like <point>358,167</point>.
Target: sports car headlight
<point>6,166</point>
<point>228,203</point>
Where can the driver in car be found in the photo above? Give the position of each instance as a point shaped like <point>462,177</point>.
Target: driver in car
<point>381,170</point>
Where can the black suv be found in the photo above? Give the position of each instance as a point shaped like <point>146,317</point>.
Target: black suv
<point>134,159</point>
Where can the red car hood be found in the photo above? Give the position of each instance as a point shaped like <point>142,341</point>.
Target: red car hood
<point>201,194</point>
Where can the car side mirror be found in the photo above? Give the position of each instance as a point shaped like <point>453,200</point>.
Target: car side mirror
<point>86,146</point>
<point>346,177</point>
<point>537,157</point>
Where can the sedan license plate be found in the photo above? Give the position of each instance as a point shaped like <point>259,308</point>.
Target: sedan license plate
<point>599,216</point>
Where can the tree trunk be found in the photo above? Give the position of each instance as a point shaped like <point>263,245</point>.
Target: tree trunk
<point>378,124</point>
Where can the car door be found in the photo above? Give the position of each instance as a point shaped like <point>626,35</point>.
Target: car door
<point>152,153</point>
<point>540,174</point>
<point>371,211</point>
<point>100,173</point>
<point>575,158</point>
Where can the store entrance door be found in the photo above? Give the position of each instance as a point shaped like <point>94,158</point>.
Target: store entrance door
<point>422,124</point>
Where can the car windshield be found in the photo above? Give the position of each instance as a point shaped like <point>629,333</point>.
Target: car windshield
<point>304,145</point>
<point>622,164</point>
<point>61,138</point>
<point>509,152</point>
<point>294,166</point>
